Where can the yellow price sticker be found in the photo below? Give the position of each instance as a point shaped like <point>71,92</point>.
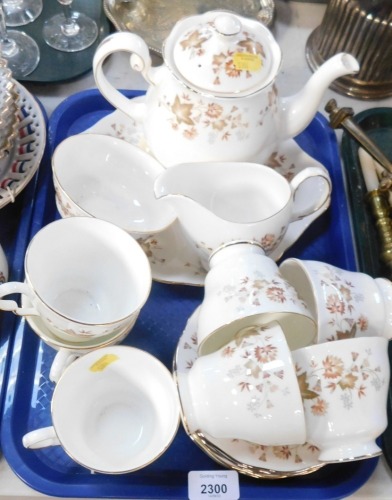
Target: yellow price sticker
<point>103,362</point>
<point>246,61</point>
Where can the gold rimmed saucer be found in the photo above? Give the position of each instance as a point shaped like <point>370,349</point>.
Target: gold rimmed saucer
<point>250,459</point>
<point>47,336</point>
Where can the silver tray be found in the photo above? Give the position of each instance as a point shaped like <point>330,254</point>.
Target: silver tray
<point>154,19</point>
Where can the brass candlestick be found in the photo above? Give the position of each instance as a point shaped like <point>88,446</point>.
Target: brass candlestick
<point>380,208</point>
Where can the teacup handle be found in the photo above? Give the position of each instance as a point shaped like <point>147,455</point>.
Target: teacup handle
<point>297,181</point>
<point>62,360</point>
<point>10,305</point>
<point>140,60</point>
<point>41,438</point>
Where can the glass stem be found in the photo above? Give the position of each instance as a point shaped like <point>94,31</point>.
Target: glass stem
<point>8,47</point>
<point>70,26</point>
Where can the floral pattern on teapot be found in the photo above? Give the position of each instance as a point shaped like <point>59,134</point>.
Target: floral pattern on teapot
<point>193,117</point>
<point>354,379</point>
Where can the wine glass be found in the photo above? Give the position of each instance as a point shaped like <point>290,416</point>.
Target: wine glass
<point>70,31</point>
<point>20,50</point>
<point>21,12</point>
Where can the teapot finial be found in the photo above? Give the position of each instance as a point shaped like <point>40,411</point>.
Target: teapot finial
<point>227,24</point>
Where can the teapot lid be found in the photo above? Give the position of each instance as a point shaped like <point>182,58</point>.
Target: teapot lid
<point>223,54</point>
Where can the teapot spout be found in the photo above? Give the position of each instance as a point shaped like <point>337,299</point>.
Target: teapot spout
<point>298,110</point>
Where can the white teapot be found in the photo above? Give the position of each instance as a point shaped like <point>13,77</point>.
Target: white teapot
<point>215,98</point>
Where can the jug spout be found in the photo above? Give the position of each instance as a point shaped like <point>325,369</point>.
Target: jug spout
<point>298,110</point>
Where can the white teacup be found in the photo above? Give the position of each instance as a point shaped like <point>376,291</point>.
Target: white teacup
<point>108,178</point>
<point>85,278</point>
<point>345,304</point>
<point>217,203</point>
<point>114,410</point>
<point>344,385</point>
<point>247,390</point>
<point>244,288</point>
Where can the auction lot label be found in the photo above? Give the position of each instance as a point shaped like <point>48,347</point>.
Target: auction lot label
<point>222,485</point>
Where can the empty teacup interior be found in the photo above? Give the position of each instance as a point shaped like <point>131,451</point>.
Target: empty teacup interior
<point>110,179</point>
<point>244,288</point>
<point>87,277</point>
<point>67,277</point>
<point>115,410</point>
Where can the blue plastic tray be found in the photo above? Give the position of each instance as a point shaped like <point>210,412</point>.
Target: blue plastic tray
<point>15,223</point>
<point>157,330</point>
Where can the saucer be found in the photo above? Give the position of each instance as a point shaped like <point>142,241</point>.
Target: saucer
<point>259,461</point>
<point>47,336</point>
<point>19,167</point>
<point>179,263</point>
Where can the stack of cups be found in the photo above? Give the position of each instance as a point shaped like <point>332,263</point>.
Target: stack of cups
<point>270,370</point>
<point>115,409</point>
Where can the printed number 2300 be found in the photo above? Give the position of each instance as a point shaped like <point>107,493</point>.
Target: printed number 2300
<point>210,489</point>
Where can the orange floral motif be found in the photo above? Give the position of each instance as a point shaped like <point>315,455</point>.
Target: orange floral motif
<point>214,110</point>
<point>363,323</point>
<point>231,69</point>
<point>331,374</point>
<point>343,303</point>
<point>265,353</point>
<point>276,294</point>
<point>319,407</point>
<point>348,381</point>
<point>228,351</point>
<point>335,304</point>
<point>333,367</point>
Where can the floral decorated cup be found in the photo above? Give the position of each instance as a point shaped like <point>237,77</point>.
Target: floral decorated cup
<point>85,278</point>
<point>105,177</point>
<point>221,202</point>
<point>344,386</point>
<point>114,410</point>
<point>345,304</point>
<point>244,288</point>
<point>247,390</point>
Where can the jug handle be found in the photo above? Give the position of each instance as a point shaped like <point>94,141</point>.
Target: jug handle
<point>140,60</point>
<point>325,198</point>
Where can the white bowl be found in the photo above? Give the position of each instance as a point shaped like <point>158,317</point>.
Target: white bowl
<point>108,178</point>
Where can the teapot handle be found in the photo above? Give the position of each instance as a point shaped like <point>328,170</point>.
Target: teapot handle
<point>311,189</point>
<point>140,60</point>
